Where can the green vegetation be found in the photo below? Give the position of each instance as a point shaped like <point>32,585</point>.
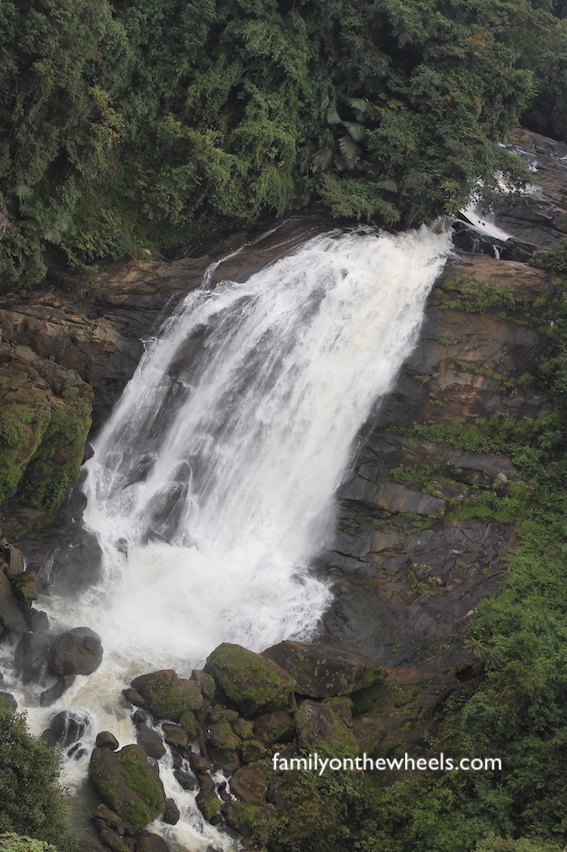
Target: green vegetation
<point>137,122</point>
<point>31,800</point>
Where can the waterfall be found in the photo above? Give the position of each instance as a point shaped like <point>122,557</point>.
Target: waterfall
<point>212,485</point>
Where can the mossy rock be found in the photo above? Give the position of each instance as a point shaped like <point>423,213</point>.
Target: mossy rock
<point>25,586</point>
<point>276,727</point>
<point>319,728</point>
<point>128,784</point>
<point>256,822</point>
<point>252,750</point>
<point>208,804</point>
<point>168,696</point>
<point>321,671</point>
<point>189,724</point>
<point>253,683</point>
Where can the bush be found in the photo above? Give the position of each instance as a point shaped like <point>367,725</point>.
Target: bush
<point>32,802</point>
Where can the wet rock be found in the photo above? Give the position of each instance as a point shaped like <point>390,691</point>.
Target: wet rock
<point>168,696</point>
<point>321,671</point>
<point>254,684</point>
<point>11,616</point>
<point>319,728</point>
<point>39,621</point>
<point>208,804</point>
<point>150,741</point>
<point>78,651</point>
<point>9,699</point>
<point>185,780</point>
<point>105,739</point>
<point>127,783</point>
<point>67,727</point>
<point>134,697</point>
<point>32,654</point>
<point>26,587</point>
<point>171,813</point>
<point>54,693</point>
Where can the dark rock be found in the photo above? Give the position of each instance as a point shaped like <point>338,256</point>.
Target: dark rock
<point>32,653</point>
<point>150,741</point>
<point>185,780</point>
<point>134,697</point>
<point>150,843</point>
<point>111,839</point>
<point>39,621</point>
<point>168,696</point>
<point>171,813</point>
<point>252,750</point>
<point>253,683</point>
<point>175,736</point>
<point>87,845</point>
<point>321,670</point>
<point>10,613</point>
<point>9,699</point>
<point>77,651</point>
<point>105,739</point>
<point>199,763</point>
<point>54,693</point>
<point>127,783</point>
<point>139,716</point>
<point>249,785</point>
<point>67,727</point>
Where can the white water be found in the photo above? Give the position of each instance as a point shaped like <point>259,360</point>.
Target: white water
<point>212,485</point>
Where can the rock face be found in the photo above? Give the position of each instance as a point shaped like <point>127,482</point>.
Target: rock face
<point>415,553</point>
<point>78,651</point>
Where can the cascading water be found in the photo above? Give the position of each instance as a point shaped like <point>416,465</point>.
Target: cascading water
<point>212,485</point>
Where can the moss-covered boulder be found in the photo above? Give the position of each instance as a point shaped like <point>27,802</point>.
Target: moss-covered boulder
<point>321,671</point>
<point>276,727</point>
<point>26,586</point>
<point>168,696</point>
<point>254,684</point>
<point>318,727</point>
<point>128,784</point>
<point>255,822</point>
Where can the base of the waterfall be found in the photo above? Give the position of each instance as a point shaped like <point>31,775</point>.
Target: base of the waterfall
<point>219,751</point>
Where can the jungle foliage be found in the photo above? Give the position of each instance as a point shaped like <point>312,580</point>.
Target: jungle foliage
<point>135,122</point>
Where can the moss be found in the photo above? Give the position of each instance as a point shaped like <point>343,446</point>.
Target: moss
<point>168,696</point>
<point>22,428</point>
<point>54,467</point>
<point>209,806</point>
<point>189,724</point>
<point>253,683</point>
<point>138,776</point>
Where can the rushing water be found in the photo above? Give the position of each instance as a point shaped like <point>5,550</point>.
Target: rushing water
<point>212,484</point>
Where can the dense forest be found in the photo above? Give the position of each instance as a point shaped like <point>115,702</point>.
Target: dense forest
<point>139,123</point>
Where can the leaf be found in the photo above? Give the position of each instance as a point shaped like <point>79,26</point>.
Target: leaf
<point>322,159</point>
<point>350,152</point>
<point>355,131</point>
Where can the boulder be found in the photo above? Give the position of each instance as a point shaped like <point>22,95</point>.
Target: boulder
<point>146,842</point>
<point>175,736</point>
<point>253,683</point>
<point>249,785</point>
<point>128,784</point>
<point>166,695</point>
<point>105,739</point>
<point>54,693</point>
<point>171,813</point>
<point>321,671</point>
<point>76,652</point>
<point>318,727</point>
<point>66,727</point>
<point>150,741</point>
